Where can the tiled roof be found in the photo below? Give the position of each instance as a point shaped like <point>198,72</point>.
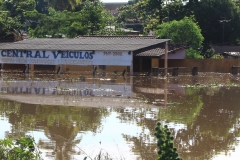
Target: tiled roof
<point>156,52</point>
<point>131,43</point>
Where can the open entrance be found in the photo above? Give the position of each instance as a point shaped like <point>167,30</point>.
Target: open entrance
<point>146,64</point>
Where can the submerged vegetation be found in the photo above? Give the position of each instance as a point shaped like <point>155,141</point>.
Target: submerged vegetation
<point>23,148</point>
<point>212,85</point>
<point>165,143</point>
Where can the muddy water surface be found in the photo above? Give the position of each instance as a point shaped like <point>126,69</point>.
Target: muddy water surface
<point>74,116</point>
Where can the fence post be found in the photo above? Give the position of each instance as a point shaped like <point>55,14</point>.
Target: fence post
<point>234,70</point>
<point>26,68</point>
<point>124,71</point>
<point>175,71</point>
<point>94,71</point>
<point>155,71</point>
<point>59,69</point>
<point>194,71</point>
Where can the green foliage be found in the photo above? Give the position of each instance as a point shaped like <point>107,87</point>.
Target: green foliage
<point>47,25</point>
<point>127,14</point>
<point>7,23</point>
<point>42,6</point>
<point>194,54</point>
<point>23,148</point>
<point>208,14</point>
<point>150,11</point>
<point>217,56</point>
<point>165,143</point>
<point>94,16</point>
<point>70,18</point>
<point>91,19</point>
<point>61,5</point>
<point>209,52</point>
<point>185,31</point>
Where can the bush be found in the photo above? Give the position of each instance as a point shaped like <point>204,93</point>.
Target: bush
<point>217,56</point>
<point>194,54</point>
<point>22,148</point>
<point>165,143</point>
<point>209,52</point>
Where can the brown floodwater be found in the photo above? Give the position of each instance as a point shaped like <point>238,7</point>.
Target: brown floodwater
<point>72,116</point>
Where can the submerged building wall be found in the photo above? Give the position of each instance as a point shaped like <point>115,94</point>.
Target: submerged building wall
<point>204,65</point>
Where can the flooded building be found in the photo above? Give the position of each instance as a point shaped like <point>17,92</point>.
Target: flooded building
<point>108,53</point>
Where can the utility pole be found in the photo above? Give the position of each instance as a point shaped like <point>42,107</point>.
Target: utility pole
<point>223,22</point>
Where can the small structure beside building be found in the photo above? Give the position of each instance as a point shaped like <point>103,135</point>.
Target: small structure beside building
<point>154,57</point>
<point>228,51</point>
<point>231,55</point>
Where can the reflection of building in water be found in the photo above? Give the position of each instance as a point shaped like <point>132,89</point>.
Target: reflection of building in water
<point>65,88</point>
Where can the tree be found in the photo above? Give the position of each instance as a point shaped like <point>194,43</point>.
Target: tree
<point>13,15</point>
<point>94,16</point>
<point>91,19</point>
<point>8,24</point>
<point>127,13</point>
<point>61,5</point>
<point>128,17</point>
<point>42,6</point>
<point>208,14</point>
<point>46,25</point>
<point>18,7</point>
<point>150,11</point>
<point>185,31</point>
<point>73,25</point>
<point>154,12</point>
<point>193,53</point>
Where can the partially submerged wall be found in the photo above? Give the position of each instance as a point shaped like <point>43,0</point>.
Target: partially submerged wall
<point>205,65</point>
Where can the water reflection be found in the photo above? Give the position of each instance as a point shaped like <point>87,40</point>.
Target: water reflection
<point>60,124</point>
<point>202,112</point>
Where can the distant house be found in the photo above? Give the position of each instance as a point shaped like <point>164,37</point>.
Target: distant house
<point>112,7</point>
<point>134,24</point>
<point>228,51</point>
<point>128,32</point>
<point>231,55</point>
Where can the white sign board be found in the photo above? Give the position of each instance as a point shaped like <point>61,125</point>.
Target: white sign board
<point>82,58</point>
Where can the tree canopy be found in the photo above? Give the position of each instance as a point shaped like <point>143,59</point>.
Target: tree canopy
<point>218,20</point>
<point>185,31</point>
<point>43,18</point>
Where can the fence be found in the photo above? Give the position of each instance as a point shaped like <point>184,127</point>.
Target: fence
<point>204,65</point>
<point>174,71</point>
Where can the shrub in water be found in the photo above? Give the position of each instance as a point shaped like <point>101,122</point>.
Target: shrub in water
<point>165,143</point>
<point>22,149</point>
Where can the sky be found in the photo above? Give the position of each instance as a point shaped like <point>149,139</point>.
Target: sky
<point>114,0</point>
